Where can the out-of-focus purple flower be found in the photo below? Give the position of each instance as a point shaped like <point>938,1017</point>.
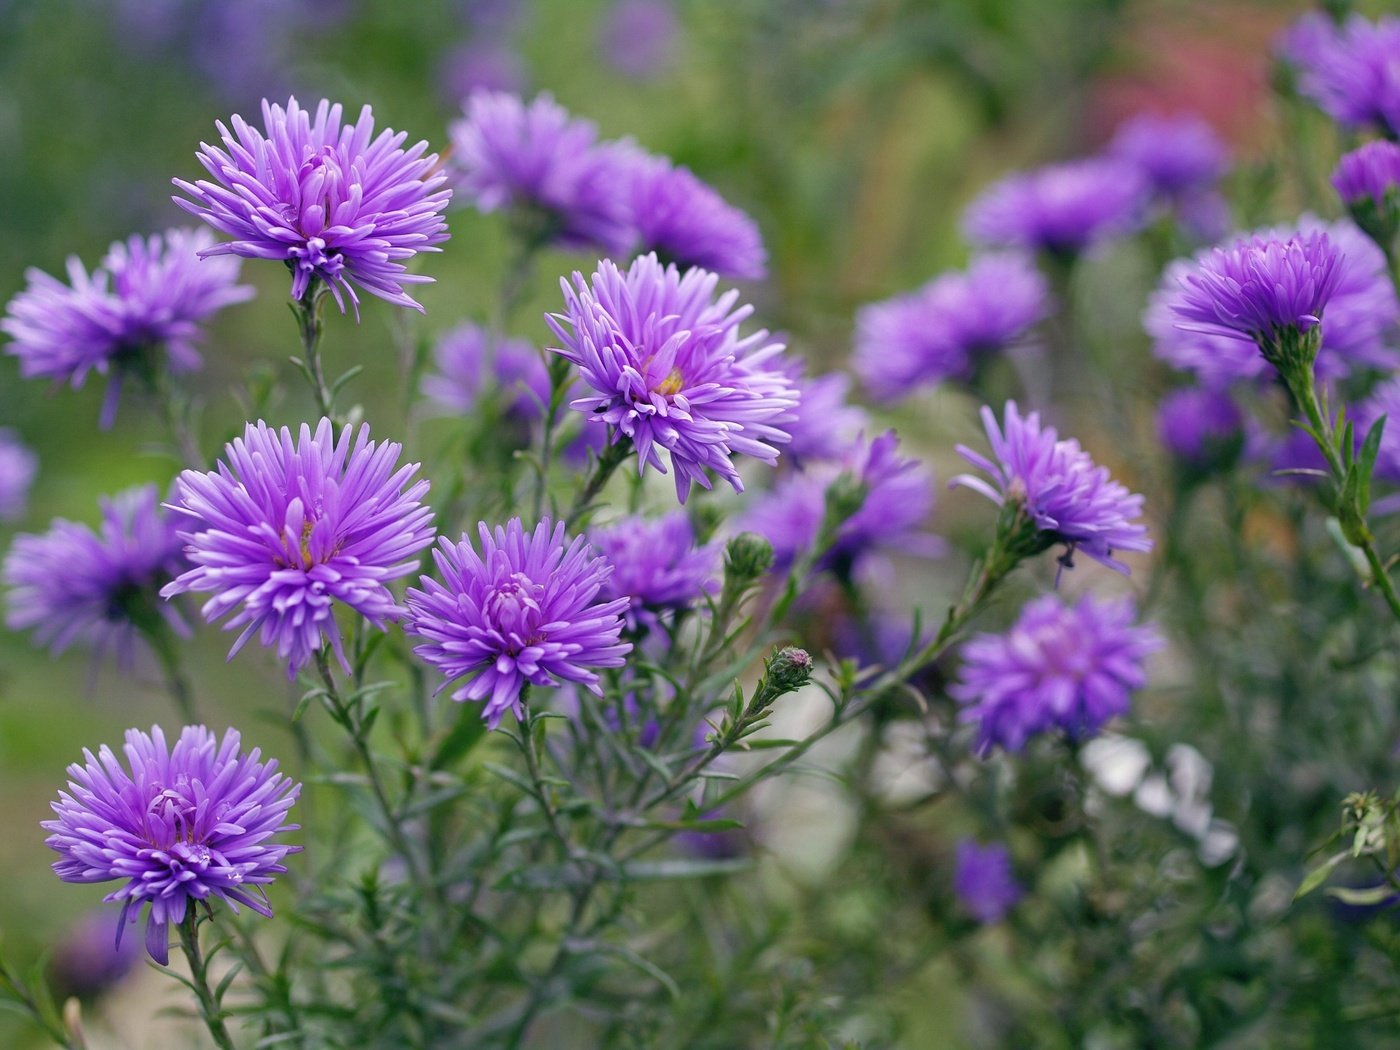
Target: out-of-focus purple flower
<point>1180,155</point>
<point>185,824</point>
<point>538,159</point>
<point>656,565</point>
<point>1198,425</point>
<point>1060,667</point>
<point>826,425</point>
<point>467,365</point>
<point>86,963</point>
<point>1361,311</point>
<point>1383,401</point>
<point>1061,208</point>
<point>1350,70</point>
<point>1369,172</point>
<point>670,371</point>
<point>638,37</point>
<point>984,881</point>
<point>525,611</point>
<point>481,65</point>
<point>285,528</point>
<point>896,498</point>
<point>941,330</point>
<point>687,223</point>
<point>71,584</point>
<point>18,468</point>
<point>332,201</point>
<point>147,295</point>
<point>1065,493</point>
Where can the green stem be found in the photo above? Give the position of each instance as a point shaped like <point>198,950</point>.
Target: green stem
<point>209,1008</point>
<point>526,740</point>
<point>308,310</point>
<point>603,470</point>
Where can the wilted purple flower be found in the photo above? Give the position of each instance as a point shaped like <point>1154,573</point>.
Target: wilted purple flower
<point>686,222</point>
<point>895,498</point>
<point>86,963</point>
<point>186,824</point>
<point>1180,155</point>
<point>333,202</point>
<point>525,611</point>
<point>18,467</point>
<point>285,528</point>
<point>1065,667</point>
<point>1065,493</point>
<point>469,365</point>
<point>826,425</point>
<point>637,37</point>
<point>941,330</point>
<point>656,564</point>
<point>1368,173</point>
<point>71,584</point>
<point>1350,71</point>
<point>984,881</point>
<point>147,295</point>
<point>536,157</point>
<point>1198,424</point>
<point>670,370</point>
<point>1060,208</point>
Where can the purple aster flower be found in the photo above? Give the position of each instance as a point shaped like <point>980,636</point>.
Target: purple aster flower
<point>469,366</point>
<point>985,882</point>
<point>1180,155</point>
<point>489,65</point>
<point>86,963</point>
<point>656,565</point>
<point>1383,401</point>
<point>286,528</point>
<point>185,824</point>
<point>331,200</point>
<point>1061,208</point>
<point>686,222</point>
<point>72,584</point>
<point>1065,667</point>
<point>638,37</point>
<point>1198,425</point>
<point>147,295</point>
<point>1350,70</point>
<point>826,425</point>
<point>896,498</point>
<point>1368,173</point>
<point>1069,498</point>
<point>537,158</point>
<point>18,468</point>
<point>671,372</point>
<point>943,329</point>
<point>525,611</point>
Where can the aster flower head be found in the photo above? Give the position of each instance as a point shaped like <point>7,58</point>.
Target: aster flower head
<point>984,881</point>
<point>536,159</point>
<point>178,825</point>
<point>147,296</point>
<point>1350,70</point>
<point>1060,667</point>
<point>72,584</point>
<point>826,424</point>
<point>1200,426</point>
<point>1384,400</point>
<point>686,222</point>
<point>288,527</point>
<point>944,329</point>
<point>525,610</point>
<point>18,468</point>
<point>334,202</point>
<point>1368,182</point>
<point>1064,495</point>
<point>656,565</point>
<point>468,364</point>
<point>669,370</point>
<point>1180,154</point>
<point>1061,209</point>
<point>638,37</point>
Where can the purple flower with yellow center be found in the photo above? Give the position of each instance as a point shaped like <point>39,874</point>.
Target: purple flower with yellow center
<point>334,202</point>
<point>18,468</point>
<point>72,584</point>
<point>1200,426</point>
<point>984,881</point>
<point>1061,209</point>
<point>656,565</point>
<point>178,825</point>
<point>669,370</point>
<point>547,167</point>
<point>1066,496</point>
<point>686,222</point>
<point>1350,70</point>
<point>147,297</point>
<point>1060,667</point>
<point>287,528</point>
<point>944,329</point>
<point>469,363</point>
<point>524,611</point>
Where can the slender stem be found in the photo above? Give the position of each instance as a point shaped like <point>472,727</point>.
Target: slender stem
<point>158,635</point>
<point>526,740</point>
<point>308,310</point>
<point>209,1008</point>
<point>42,1013</point>
<point>603,470</point>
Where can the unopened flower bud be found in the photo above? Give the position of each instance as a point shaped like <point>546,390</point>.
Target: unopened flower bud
<point>747,557</point>
<point>789,669</point>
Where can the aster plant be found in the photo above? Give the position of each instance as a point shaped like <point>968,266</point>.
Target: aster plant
<point>1368,182</point>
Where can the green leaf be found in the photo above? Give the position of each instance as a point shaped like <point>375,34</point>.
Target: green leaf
<point>469,731</point>
<point>1318,875</point>
<point>683,868</point>
<point>1363,898</point>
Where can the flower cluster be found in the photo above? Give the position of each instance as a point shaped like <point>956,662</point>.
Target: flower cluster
<point>335,203</point>
<point>1349,70</point>
<point>178,825</point>
<point>288,527</point>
